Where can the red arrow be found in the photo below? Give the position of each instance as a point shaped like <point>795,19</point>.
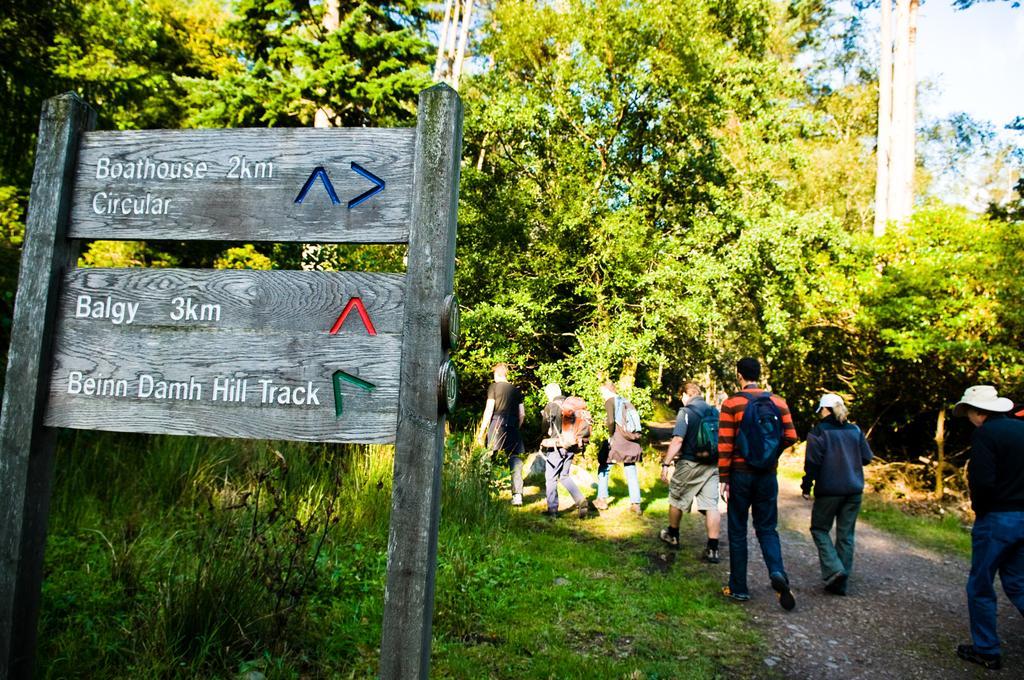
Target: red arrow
<point>358,304</point>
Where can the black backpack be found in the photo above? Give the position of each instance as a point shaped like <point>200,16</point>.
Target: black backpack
<point>760,435</point>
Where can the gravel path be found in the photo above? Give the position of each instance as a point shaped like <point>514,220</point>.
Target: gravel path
<point>903,616</point>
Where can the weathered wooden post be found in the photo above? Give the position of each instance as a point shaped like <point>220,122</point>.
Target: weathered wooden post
<point>26,445</point>
<point>419,446</point>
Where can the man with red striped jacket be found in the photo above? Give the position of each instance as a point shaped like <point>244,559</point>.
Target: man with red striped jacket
<point>754,428</point>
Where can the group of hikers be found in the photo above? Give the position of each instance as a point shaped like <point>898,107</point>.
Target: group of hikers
<point>731,451</point>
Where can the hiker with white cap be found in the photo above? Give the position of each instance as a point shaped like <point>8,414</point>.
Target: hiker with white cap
<point>834,462</point>
<point>995,476</point>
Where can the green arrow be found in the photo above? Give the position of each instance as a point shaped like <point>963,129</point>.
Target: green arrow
<point>340,377</point>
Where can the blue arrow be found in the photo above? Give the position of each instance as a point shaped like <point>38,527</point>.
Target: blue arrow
<point>366,195</point>
<point>322,174</point>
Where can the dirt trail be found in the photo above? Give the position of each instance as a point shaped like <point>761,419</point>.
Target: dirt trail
<point>903,616</point>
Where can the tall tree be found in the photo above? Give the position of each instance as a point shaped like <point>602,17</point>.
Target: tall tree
<point>897,135</point>
<point>883,147</point>
<point>897,119</point>
<point>630,212</point>
<point>900,195</point>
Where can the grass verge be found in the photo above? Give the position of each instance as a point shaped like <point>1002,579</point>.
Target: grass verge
<point>943,533</point>
<point>173,557</point>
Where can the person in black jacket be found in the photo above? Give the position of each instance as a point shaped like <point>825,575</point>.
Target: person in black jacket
<point>995,477</point>
<point>834,465</point>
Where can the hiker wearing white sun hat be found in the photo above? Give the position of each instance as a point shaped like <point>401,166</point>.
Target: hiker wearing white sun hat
<point>995,474</point>
<point>982,398</point>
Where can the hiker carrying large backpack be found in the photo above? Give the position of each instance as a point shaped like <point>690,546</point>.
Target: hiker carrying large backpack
<point>754,428</point>
<point>566,424</point>
<point>622,446</point>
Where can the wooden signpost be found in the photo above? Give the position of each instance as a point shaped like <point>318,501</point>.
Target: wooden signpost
<point>308,356</point>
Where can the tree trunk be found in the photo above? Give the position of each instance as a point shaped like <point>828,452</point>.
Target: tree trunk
<point>884,120</point>
<point>910,133</point>
<point>940,452</point>
<point>332,19</point>
<point>460,53</point>
<point>442,42</point>
<point>450,47</point>
<point>627,378</point>
<point>322,119</point>
<point>901,171</point>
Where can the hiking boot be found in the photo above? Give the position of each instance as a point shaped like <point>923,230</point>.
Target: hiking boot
<point>710,555</point>
<point>551,514</point>
<point>583,509</point>
<point>836,583</point>
<point>993,662</point>
<point>735,597</point>
<point>636,509</point>
<point>601,503</point>
<point>665,536</point>
<point>780,584</point>
<point>517,499</point>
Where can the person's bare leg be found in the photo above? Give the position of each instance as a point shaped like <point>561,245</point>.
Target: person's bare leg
<point>712,519</point>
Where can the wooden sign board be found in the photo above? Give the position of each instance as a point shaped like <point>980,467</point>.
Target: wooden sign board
<point>324,185</point>
<point>308,356</point>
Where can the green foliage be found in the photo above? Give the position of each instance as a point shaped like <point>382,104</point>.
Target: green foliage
<point>941,311</point>
<point>243,257</point>
<point>124,56</point>
<point>124,254</point>
<point>286,65</point>
<point>12,231</point>
<point>27,30</point>
<point>12,225</point>
<point>624,200</point>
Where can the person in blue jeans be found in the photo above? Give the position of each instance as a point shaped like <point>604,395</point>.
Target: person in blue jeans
<point>620,447</point>
<point>752,490</point>
<point>560,446</point>
<point>837,452</point>
<point>995,474</point>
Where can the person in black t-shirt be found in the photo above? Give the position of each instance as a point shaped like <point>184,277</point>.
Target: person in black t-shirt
<point>503,416</point>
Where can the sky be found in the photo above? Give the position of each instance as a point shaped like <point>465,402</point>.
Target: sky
<point>974,58</point>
